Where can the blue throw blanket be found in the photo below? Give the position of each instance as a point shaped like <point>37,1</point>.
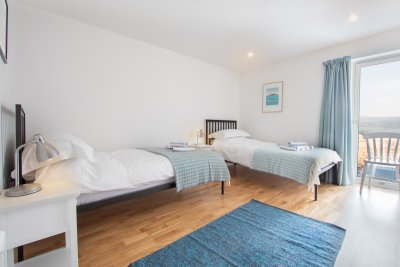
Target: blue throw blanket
<point>300,166</point>
<point>194,167</point>
<point>255,234</point>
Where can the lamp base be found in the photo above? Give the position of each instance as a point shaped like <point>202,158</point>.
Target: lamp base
<point>22,190</point>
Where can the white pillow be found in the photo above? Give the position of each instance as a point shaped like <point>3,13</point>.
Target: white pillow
<point>67,145</point>
<point>229,133</point>
<point>90,177</point>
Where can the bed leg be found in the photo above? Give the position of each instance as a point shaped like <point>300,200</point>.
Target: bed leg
<point>222,187</point>
<point>315,192</point>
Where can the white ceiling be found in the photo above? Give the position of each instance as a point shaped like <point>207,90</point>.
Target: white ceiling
<point>222,32</point>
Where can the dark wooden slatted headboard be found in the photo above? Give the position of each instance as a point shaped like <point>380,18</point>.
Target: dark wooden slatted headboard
<point>213,126</point>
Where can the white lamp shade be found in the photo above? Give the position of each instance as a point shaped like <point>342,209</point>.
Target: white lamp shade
<point>45,151</point>
<point>201,133</point>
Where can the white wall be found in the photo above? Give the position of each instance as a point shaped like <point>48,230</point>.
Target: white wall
<point>113,91</point>
<point>303,90</point>
<point>7,101</point>
<point>116,92</point>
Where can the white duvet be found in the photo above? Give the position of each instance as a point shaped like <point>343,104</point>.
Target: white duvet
<point>122,169</point>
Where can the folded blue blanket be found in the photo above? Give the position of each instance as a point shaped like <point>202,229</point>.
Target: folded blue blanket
<point>195,167</point>
<point>300,166</point>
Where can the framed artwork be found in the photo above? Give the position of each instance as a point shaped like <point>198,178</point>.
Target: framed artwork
<point>272,97</point>
<point>3,29</point>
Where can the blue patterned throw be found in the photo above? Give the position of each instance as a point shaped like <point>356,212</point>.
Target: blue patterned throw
<point>300,166</point>
<point>255,234</point>
<point>195,167</point>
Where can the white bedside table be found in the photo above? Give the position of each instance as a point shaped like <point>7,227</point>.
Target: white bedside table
<point>201,147</point>
<point>33,217</point>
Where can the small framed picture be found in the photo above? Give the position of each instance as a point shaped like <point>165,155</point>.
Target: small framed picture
<point>3,29</point>
<point>272,97</point>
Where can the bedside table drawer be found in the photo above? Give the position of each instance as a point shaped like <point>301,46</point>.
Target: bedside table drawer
<point>36,222</point>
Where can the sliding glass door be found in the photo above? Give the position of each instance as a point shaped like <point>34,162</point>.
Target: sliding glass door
<point>376,105</point>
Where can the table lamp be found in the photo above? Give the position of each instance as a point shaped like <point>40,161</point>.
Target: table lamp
<point>200,134</point>
<point>44,152</point>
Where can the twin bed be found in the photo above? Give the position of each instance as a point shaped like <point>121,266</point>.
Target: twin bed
<point>235,146</point>
<point>132,172</point>
<point>107,177</point>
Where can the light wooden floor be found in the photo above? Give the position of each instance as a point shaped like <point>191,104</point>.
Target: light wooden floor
<point>119,234</point>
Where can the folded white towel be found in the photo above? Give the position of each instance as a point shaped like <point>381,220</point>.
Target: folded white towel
<point>298,143</point>
<point>304,148</point>
<point>297,148</point>
<point>183,149</point>
<point>288,148</point>
<point>177,144</point>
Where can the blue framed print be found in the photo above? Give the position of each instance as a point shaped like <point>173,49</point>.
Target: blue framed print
<point>272,97</point>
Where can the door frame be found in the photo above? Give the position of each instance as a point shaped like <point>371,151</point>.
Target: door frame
<point>356,66</point>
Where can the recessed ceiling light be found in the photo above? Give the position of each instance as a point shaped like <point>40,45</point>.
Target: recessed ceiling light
<point>250,55</point>
<point>353,17</point>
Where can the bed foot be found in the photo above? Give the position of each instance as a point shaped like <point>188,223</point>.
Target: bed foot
<point>315,192</point>
<point>222,187</point>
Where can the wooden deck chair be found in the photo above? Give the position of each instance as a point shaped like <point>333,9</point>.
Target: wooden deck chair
<point>385,151</point>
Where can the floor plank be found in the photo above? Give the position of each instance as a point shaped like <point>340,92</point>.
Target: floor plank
<point>119,234</point>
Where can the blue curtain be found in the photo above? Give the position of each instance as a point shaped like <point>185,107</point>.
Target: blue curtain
<point>335,125</point>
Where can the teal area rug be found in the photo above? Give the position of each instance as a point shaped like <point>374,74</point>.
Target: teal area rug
<point>254,234</point>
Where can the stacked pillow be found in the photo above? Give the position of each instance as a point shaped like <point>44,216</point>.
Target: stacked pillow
<point>229,133</point>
